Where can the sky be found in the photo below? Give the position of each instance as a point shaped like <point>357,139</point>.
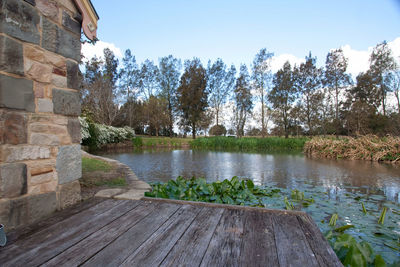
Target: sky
<point>235,30</point>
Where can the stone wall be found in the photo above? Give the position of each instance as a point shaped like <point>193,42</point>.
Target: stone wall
<point>40,157</point>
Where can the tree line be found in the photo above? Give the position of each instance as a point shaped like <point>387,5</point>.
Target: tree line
<point>297,100</point>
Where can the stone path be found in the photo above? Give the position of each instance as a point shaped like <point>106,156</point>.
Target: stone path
<point>136,187</point>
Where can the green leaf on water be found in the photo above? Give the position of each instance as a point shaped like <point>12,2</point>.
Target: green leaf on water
<point>344,228</point>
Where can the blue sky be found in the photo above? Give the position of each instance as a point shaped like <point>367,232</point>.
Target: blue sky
<point>235,30</point>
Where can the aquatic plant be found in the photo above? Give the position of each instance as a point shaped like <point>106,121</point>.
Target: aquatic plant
<point>249,143</point>
<point>368,147</point>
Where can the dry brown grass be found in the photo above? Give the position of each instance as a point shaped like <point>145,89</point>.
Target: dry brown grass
<point>369,147</point>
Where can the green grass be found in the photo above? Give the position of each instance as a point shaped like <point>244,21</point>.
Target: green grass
<point>249,144</point>
<point>139,142</point>
<point>113,182</point>
<point>90,165</point>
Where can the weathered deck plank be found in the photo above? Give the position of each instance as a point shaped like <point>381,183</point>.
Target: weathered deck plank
<point>170,233</point>
<point>191,247</point>
<point>45,244</point>
<point>155,249</point>
<point>291,241</point>
<point>100,239</point>
<point>116,252</point>
<point>224,247</point>
<point>259,247</point>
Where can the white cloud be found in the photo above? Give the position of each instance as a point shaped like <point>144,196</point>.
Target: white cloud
<point>358,60</point>
<point>89,50</point>
<point>278,61</point>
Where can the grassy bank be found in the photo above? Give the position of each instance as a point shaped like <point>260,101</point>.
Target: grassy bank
<point>368,147</point>
<point>154,142</point>
<point>249,143</point>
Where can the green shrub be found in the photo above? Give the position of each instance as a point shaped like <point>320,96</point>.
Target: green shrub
<point>217,130</point>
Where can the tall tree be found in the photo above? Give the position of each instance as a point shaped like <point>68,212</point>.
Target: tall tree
<point>283,95</point>
<point>168,78</point>
<point>192,94</point>
<point>381,62</point>
<point>157,110</point>
<point>336,79</point>
<point>243,100</point>
<point>261,76</point>
<point>308,80</point>
<point>148,79</point>
<point>99,94</point>
<point>220,83</point>
<point>395,83</point>
<point>129,81</point>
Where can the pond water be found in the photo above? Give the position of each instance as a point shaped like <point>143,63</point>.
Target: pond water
<point>284,170</point>
<point>336,186</point>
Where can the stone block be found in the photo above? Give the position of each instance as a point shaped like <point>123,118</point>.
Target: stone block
<point>74,130</point>
<point>48,128</point>
<point>45,105</point>
<point>44,139</point>
<point>70,24</point>
<point>13,180</point>
<point>70,194</point>
<point>38,71</point>
<point>73,80</point>
<point>48,119</point>
<point>70,5</point>
<point>39,167</point>
<point>60,41</point>
<point>12,56</point>
<point>41,205</point>
<point>13,130</point>
<point>20,153</point>
<point>16,93</point>
<point>59,81</point>
<point>42,178</point>
<point>60,72</point>
<point>48,8</point>
<point>39,89</point>
<point>5,212</point>
<point>19,20</point>
<point>109,193</point>
<point>32,2</point>
<point>55,60</point>
<point>34,53</point>
<point>66,102</point>
<point>19,212</point>
<point>69,163</point>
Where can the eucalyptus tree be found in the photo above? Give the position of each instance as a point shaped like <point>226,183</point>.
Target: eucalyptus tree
<point>262,76</point>
<point>192,94</point>
<point>308,81</point>
<point>148,82</point>
<point>99,83</point>
<point>283,95</point>
<point>243,100</point>
<point>336,80</point>
<point>168,79</point>
<point>382,62</point>
<point>220,82</point>
<point>129,81</point>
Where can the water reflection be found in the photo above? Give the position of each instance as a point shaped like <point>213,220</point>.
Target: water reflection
<point>282,170</point>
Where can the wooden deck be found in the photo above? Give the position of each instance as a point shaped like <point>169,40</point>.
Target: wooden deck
<point>153,232</point>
